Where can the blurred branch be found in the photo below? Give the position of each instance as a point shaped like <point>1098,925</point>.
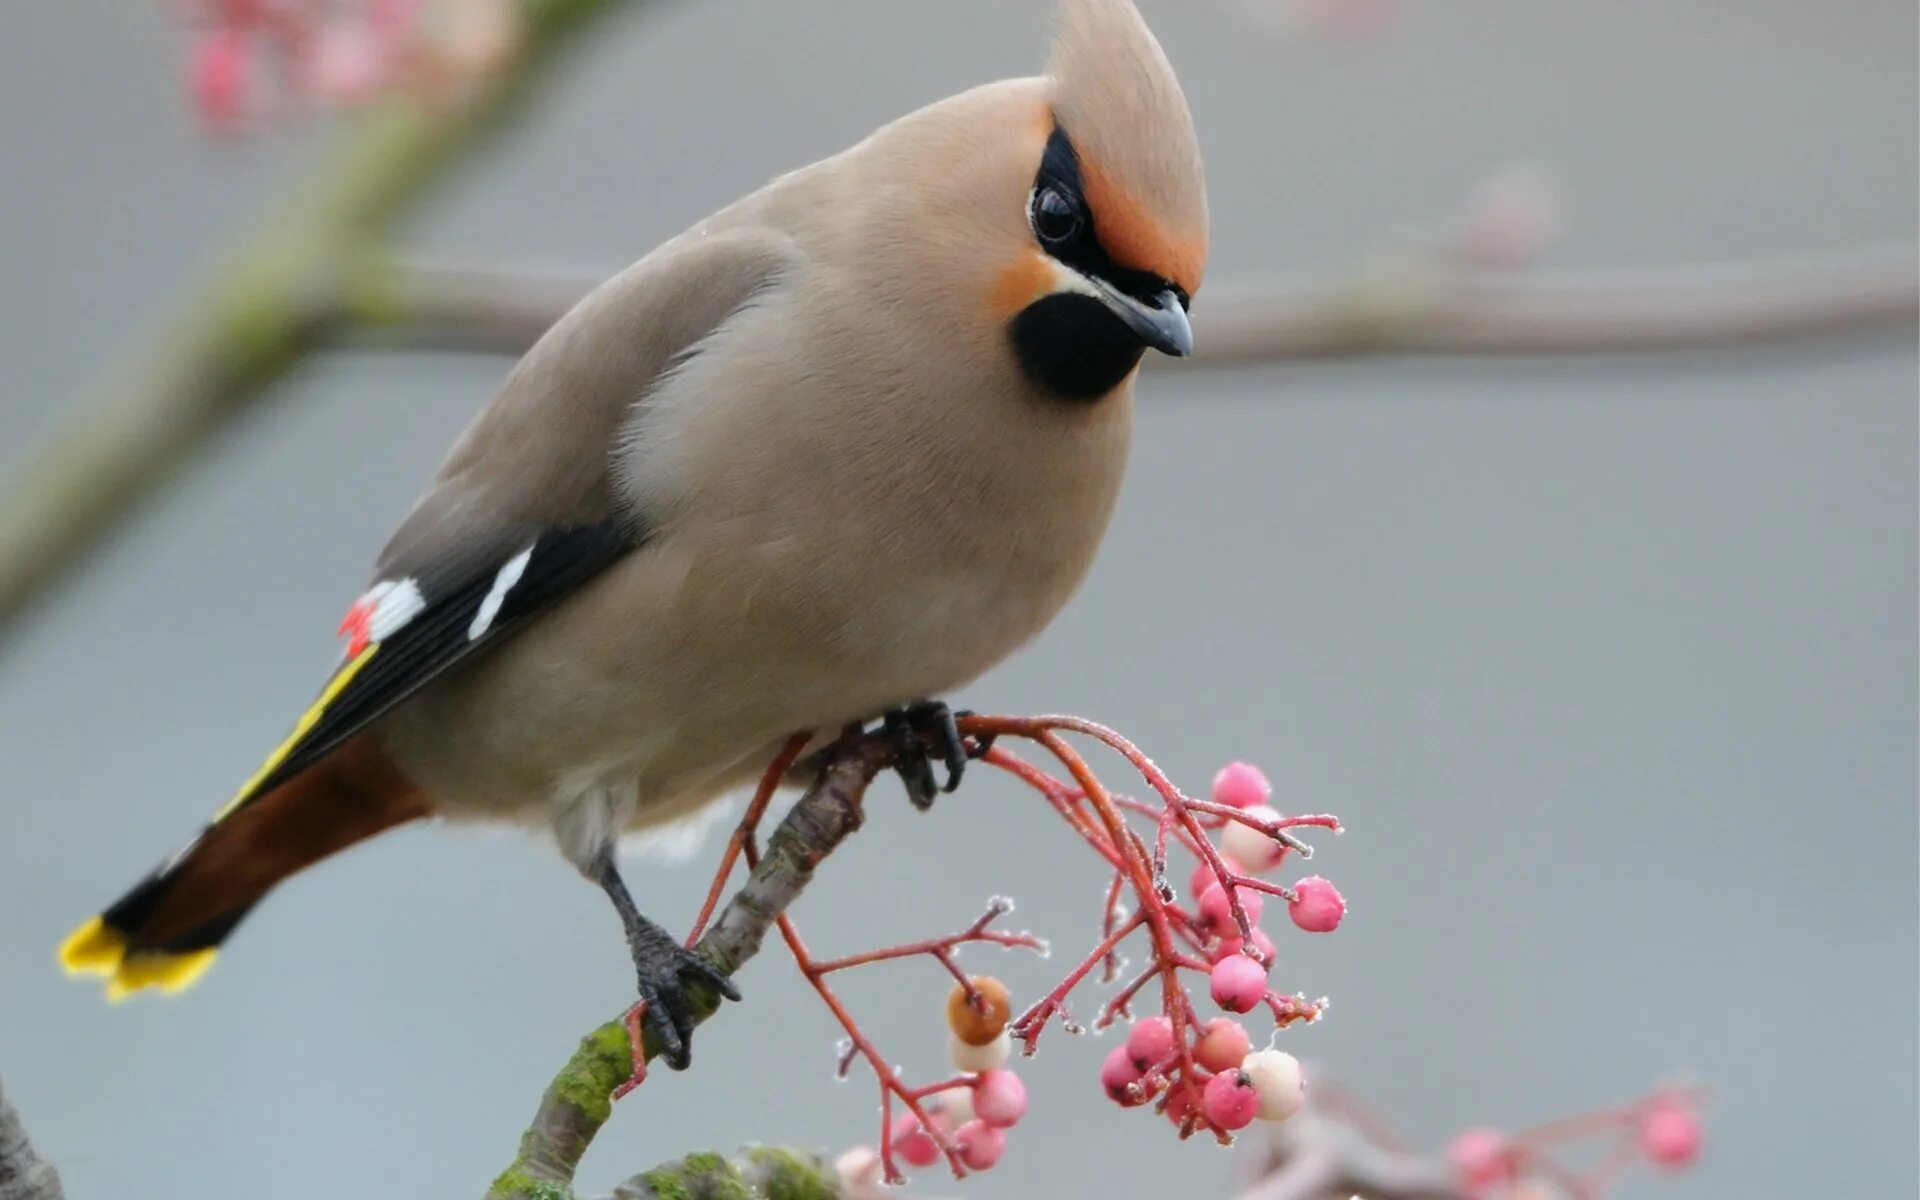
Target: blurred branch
<point>320,271</point>
<point>1410,305</point>
<point>1318,1156</point>
<point>578,1101</point>
<point>24,1175</point>
<point>317,262</point>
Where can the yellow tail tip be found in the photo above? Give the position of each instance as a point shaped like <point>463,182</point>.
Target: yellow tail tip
<point>94,949</point>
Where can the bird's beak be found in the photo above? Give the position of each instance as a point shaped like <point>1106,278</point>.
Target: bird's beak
<point>1160,323</point>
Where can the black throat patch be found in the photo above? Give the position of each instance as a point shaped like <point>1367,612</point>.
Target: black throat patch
<point>1071,344</point>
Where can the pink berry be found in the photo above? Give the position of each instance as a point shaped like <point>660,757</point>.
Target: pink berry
<point>1238,983</point>
<point>1000,1099</point>
<point>1230,1100</point>
<point>1669,1135</point>
<point>1217,914</point>
<point>1149,1042</point>
<point>1241,785</point>
<point>979,1145</point>
<point>1481,1158</point>
<point>1319,907</point>
<point>1178,1105</point>
<point>1223,1042</point>
<point>914,1145</point>
<point>1221,947</point>
<point>1247,845</point>
<point>1204,878</point>
<point>1118,1075</point>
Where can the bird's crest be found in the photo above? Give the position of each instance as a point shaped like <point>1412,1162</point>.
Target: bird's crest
<point>1115,95</point>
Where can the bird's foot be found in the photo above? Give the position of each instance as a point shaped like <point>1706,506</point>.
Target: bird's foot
<point>664,968</point>
<point>920,732</point>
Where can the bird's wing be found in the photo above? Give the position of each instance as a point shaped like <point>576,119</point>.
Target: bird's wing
<point>525,509</point>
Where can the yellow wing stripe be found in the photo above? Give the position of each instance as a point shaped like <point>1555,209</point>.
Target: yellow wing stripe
<point>307,721</point>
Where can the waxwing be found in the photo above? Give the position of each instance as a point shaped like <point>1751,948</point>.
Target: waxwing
<point>834,451</point>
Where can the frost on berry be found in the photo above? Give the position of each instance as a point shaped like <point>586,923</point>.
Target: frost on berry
<point>1230,1100</point>
<point>1245,844</point>
<point>1119,1077</point>
<point>1237,983</point>
<point>1150,1042</point>
<point>978,1010</point>
<point>912,1143</point>
<point>1194,1072</point>
<point>980,1145</point>
<point>1241,785</point>
<point>1216,913</point>
<point>1223,1043</point>
<point>1317,906</point>
<point>1000,1099</point>
<point>1278,1079</point>
<point>971,1058</point>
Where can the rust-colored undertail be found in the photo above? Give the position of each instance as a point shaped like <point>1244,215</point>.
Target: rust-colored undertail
<point>164,933</point>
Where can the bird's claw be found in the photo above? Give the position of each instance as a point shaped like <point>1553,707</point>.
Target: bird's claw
<point>661,963</point>
<point>919,733</point>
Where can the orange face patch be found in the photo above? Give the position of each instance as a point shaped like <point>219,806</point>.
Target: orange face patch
<point>1132,237</point>
<point>1018,284</point>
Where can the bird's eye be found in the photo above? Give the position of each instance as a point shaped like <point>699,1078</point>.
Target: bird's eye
<point>1055,218</point>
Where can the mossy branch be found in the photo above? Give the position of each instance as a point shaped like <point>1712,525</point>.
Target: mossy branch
<point>578,1100</point>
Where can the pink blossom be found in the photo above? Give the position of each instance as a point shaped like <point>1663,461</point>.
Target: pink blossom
<point>220,77</point>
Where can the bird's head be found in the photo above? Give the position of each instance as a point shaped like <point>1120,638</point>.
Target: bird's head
<point>1114,224</point>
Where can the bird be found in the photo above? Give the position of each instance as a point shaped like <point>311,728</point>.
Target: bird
<point>820,460</point>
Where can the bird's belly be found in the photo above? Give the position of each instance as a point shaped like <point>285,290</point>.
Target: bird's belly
<point>684,666</point>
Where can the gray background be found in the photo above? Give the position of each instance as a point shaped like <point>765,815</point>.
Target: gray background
<point>1610,665</point>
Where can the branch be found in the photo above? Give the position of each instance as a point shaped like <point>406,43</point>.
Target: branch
<point>1315,1156</point>
<point>757,1173</point>
<point>317,277</point>
<point>578,1101</point>
<point>1412,305</point>
<point>24,1175</point>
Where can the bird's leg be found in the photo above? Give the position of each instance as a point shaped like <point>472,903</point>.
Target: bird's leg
<point>660,961</point>
<point>915,728</point>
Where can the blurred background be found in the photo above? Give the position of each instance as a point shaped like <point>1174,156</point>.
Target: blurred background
<point>1609,663</point>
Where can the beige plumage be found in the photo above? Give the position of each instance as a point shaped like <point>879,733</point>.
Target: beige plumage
<point>839,448</point>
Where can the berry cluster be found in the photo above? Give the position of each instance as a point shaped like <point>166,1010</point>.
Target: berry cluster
<point>1204,1074</point>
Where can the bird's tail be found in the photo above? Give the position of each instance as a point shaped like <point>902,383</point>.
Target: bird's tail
<point>165,932</point>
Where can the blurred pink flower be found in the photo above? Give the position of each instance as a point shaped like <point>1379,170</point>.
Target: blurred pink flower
<point>220,76</point>
<point>1511,219</point>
